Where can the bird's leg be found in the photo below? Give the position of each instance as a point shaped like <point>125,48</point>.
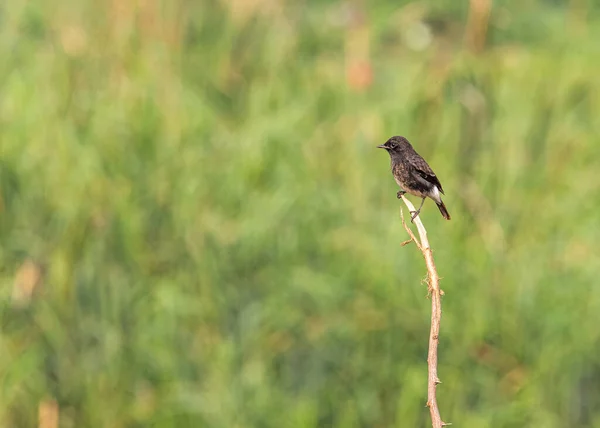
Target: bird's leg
<point>400,193</point>
<point>416,213</point>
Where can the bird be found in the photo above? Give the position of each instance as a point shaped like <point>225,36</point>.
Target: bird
<point>413,174</point>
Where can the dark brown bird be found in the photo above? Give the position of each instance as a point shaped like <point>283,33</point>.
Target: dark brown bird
<point>413,174</point>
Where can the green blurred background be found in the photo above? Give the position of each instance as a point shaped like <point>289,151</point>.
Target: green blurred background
<point>198,231</point>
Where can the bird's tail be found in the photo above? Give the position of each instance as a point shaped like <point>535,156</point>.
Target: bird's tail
<point>443,210</point>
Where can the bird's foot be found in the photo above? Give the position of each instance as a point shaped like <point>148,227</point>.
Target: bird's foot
<point>400,193</point>
<point>414,214</point>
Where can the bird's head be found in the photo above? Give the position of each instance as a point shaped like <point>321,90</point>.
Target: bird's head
<point>395,144</point>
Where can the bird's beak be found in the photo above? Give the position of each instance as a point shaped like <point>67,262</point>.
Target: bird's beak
<point>382,147</point>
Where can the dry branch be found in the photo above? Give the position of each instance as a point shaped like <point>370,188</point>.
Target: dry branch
<point>433,284</point>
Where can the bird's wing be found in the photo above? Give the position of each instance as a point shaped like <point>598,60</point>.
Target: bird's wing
<point>425,171</point>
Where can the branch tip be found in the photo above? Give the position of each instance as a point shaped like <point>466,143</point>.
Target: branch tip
<point>406,242</point>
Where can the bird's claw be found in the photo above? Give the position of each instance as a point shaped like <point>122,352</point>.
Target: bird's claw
<point>400,194</point>
<point>414,215</point>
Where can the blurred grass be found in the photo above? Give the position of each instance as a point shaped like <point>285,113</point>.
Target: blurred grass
<point>191,193</point>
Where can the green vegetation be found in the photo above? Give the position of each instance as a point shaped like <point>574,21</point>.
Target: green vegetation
<point>193,193</point>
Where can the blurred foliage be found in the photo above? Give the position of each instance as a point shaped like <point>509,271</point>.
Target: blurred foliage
<point>197,230</point>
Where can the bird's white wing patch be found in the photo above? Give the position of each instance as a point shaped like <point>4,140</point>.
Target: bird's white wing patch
<point>435,194</point>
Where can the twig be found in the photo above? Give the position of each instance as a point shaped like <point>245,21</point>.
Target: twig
<point>413,238</point>
<point>433,286</point>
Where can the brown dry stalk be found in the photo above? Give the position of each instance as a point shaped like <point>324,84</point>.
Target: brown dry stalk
<point>48,414</point>
<point>477,24</point>
<point>435,293</point>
